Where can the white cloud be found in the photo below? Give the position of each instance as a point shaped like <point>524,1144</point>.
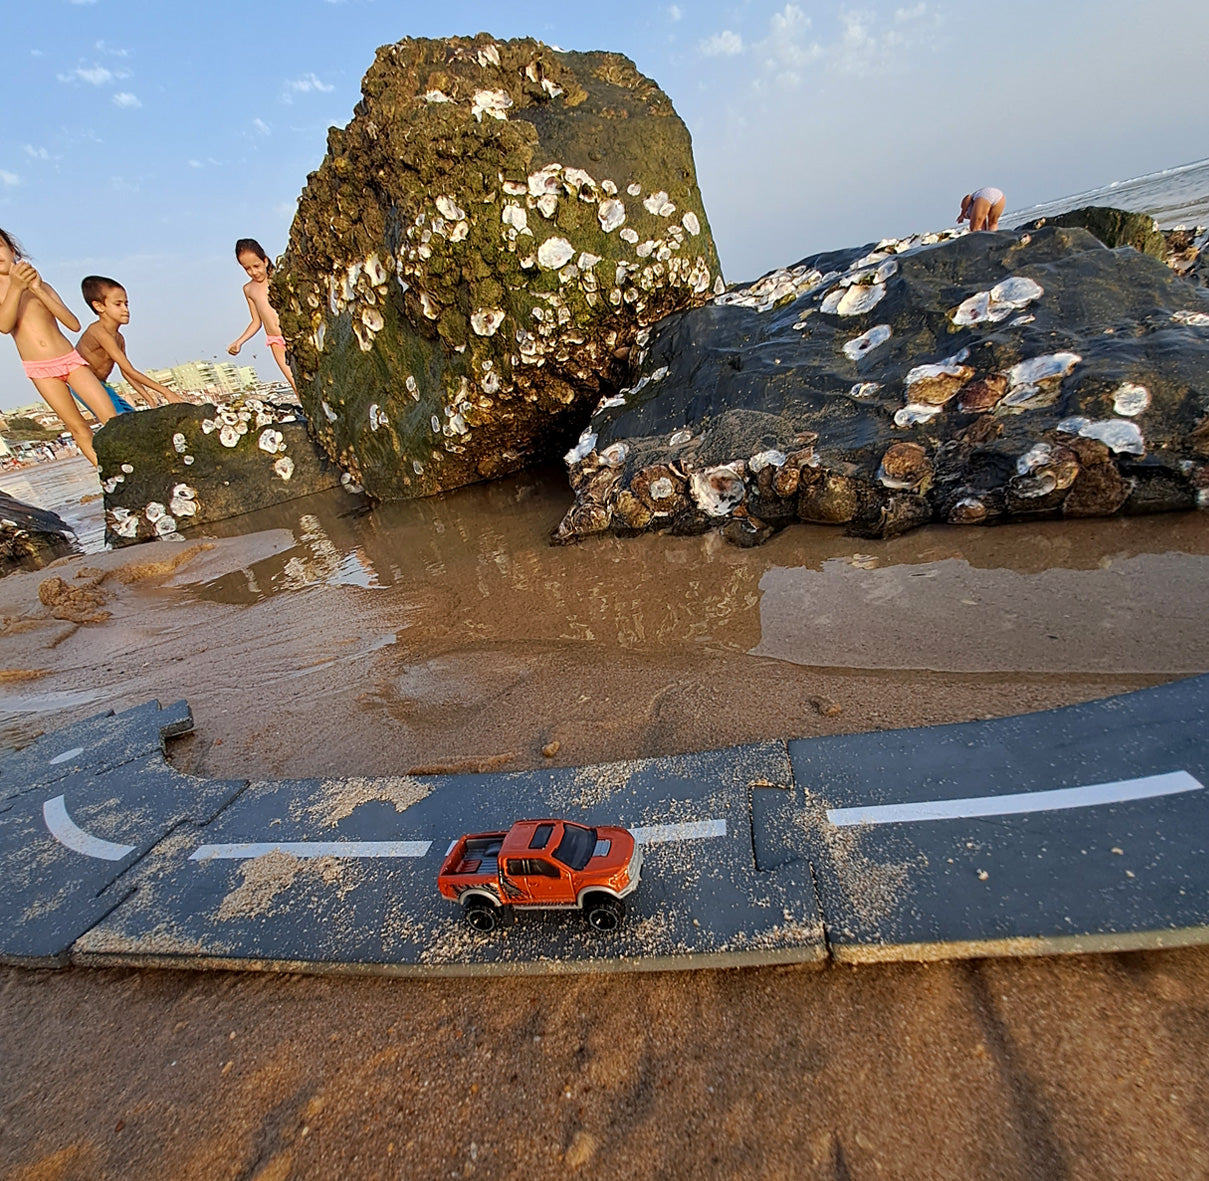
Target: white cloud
<point>305,85</point>
<point>261,127</point>
<point>195,164</point>
<point>111,50</point>
<point>723,44</point>
<point>93,75</point>
<point>36,153</point>
<point>81,1</point>
<point>674,12</point>
<point>124,98</point>
<point>9,180</point>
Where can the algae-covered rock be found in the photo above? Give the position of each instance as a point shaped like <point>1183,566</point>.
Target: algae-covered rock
<point>182,465</point>
<point>953,377</point>
<point>1113,227</point>
<point>477,251</point>
<point>30,537</point>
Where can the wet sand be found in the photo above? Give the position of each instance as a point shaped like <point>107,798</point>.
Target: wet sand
<point>316,640</point>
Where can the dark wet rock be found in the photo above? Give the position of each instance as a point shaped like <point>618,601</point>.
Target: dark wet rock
<point>974,378</point>
<point>1187,254</point>
<point>476,253</point>
<point>30,537</point>
<point>1113,227</point>
<point>182,465</point>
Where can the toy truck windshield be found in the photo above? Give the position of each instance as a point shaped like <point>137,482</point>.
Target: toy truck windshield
<point>576,848</point>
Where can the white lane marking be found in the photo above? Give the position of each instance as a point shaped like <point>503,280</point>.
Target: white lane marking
<point>66,832</point>
<point>1117,792</point>
<point>693,830</point>
<point>307,849</point>
<point>67,754</point>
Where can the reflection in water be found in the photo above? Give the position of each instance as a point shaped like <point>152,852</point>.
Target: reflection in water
<point>60,486</point>
<point>476,565</point>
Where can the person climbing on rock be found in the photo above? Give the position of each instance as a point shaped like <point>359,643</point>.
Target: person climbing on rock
<point>251,256</point>
<point>982,209</point>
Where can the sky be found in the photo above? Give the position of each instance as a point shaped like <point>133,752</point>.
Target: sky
<point>142,137</point>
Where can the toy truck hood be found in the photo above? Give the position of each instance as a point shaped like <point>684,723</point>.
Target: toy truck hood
<point>614,848</point>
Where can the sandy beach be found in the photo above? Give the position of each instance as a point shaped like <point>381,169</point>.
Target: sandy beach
<point>316,640</point>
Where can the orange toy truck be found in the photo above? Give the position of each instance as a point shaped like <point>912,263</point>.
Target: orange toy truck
<point>543,865</point>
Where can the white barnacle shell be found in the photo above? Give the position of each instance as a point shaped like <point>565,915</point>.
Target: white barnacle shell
<point>661,487</point>
<point>913,413</point>
<point>328,412</point>
<point>489,55</point>
<point>861,345</point>
<point>183,506</point>
<point>436,96</point>
<point>514,215</point>
<point>764,459</point>
<point>547,205</point>
<point>1191,319</point>
<point>854,300</point>
<point>614,455</point>
<point>660,373</point>
<point>554,253</point>
<point>375,272</point>
<point>1036,456</point>
<point>372,319</point>
<point>187,460</point>
<point>678,438</point>
<point>576,179</point>
<point>412,388</point>
<point>449,209</point>
<point>228,436</point>
<point>269,441</point>
<point>645,249</point>
<point>178,442</point>
<point>611,214</point>
<point>490,102</point>
<point>153,511</point>
<point>208,425</point>
<point>1117,433</point>
<point>587,261</point>
<point>184,491</point>
<point>1050,367</point>
<point>284,467</point>
<point>655,202</point>
<point>486,320</point>
<point>1130,400</point>
<point>865,389</point>
<point>718,490</point>
<point>551,88</point>
<point>583,448</point>
<point>1016,291</point>
<point>545,180</point>
<point>459,231</point>
<point>128,468</point>
<point>128,527</point>
<point>690,223</point>
<point>165,525</point>
<point>628,234</point>
<point>429,306</point>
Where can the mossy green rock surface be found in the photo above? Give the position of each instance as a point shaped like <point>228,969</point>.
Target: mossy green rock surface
<point>181,465</point>
<point>476,252</point>
<point>962,378</point>
<point>1113,227</point>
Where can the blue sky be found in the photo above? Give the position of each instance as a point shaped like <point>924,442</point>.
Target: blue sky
<point>142,138</point>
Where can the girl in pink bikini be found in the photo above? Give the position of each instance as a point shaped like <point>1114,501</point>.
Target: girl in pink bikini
<point>251,256</point>
<point>31,312</point>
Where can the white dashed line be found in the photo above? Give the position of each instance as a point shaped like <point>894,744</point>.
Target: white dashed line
<point>1117,792</point>
<point>693,830</point>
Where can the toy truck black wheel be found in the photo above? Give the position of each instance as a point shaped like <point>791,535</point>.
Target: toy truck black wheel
<point>603,912</point>
<point>481,914</point>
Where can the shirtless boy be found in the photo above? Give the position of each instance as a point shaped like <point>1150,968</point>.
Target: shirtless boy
<point>251,256</point>
<point>103,345</point>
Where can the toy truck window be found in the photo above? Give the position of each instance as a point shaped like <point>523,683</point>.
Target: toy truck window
<point>576,848</point>
<point>530,867</point>
<point>541,837</point>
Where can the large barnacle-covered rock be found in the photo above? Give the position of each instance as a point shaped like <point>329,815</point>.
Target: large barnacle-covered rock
<point>950,377</point>
<point>478,250</point>
<point>30,537</point>
<point>182,465</point>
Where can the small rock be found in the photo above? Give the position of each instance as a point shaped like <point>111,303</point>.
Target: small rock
<point>551,749</point>
<point>826,707</point>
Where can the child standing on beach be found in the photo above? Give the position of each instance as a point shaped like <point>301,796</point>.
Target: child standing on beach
<point>31,312</point>
<point>251,256</point>
<point>102,346</point>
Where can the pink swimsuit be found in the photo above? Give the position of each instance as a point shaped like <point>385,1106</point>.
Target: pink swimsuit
<point>272,340</point>
<point>54,366</point>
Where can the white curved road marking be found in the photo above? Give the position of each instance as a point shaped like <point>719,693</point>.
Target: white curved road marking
<point>1118,792</point>
<point>68,833</point>
<point>313,849</point>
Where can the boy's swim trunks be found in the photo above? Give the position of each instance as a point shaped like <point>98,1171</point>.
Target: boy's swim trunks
<point>54,366</point>
<point>119,403</point>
